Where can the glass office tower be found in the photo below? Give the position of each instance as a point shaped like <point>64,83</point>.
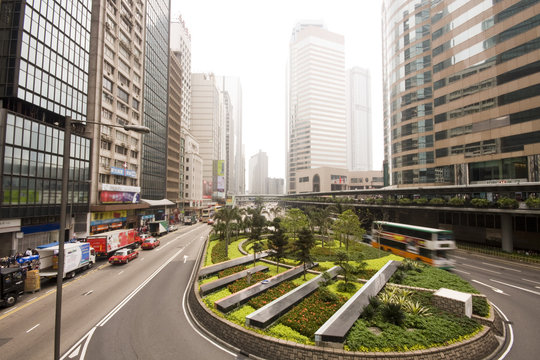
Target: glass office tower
<point>461,91</point>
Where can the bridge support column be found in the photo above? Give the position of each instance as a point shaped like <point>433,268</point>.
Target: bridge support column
<point>507,232</point>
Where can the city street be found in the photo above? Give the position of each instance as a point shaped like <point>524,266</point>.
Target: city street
<point>515,289</point>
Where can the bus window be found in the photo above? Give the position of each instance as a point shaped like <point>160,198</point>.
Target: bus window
<point>445,236</point>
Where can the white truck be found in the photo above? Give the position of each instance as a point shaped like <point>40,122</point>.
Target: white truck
<point>78,256</point>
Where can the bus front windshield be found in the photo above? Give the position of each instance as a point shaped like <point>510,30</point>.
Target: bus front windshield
<point>445,236</point>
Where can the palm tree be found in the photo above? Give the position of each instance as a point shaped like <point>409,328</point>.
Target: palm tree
<point>227,215</point>
<point>294,220</point>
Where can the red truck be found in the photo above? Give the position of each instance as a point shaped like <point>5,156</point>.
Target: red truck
<point>108,242</point>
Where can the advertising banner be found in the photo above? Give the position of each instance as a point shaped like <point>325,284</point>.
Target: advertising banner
<point>119,197</point>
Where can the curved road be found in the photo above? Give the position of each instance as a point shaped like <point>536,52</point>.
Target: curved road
<point>515,289</point>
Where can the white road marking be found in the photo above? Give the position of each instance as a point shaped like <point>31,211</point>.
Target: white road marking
<point>10,310</point>
<point>459,257</point>
<point>88,293</point>
<point>491,287</point>
<point>142,259</point>
<point>185,258</point>
<point>477,267</point>
<point>31,299</point>
<point>120,272</point>
<point>75,353</point>
<point>50,291</point>
<point>511,331</point>
<point>534,282</point>
<point>501,267</point>
<point>517,287</point>
<point>461,271</point>
<point>27,331</point>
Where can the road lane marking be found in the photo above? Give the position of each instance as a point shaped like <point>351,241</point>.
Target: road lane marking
<point>10,310</point>
<point>27,331</point>
<point>460,257</point>
<point>88,293</point>
<point>120,272</point>
<point>185,258</point>
<point>142,259</point>
<point>517,287</point>
<point>491,287</point>
<point>511,331</point>
<point>31,299</point>
<point>534,282</point>
<point>501,267</point>
<point>477,267</point>
<point>461,271</point>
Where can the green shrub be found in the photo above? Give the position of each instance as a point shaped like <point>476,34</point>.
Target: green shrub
<point>327,295</point>
<point>344,287</point>
<point>281,331</point>
<point>421,201</point>
<point>437,201</point>
<point>480,306</point>
<point>390,201</point>
<point>370,201</point>
<point>507,203</point>
<point>271,294</point>
<point>533,203</point>
<point>480,203</point>
<point>379,201</point>
<point>369,312</point>
<point>218,252</point>
<point>393,313</point>
<point>456,201</point>
<point>230,271</point>
<point>404,201</point>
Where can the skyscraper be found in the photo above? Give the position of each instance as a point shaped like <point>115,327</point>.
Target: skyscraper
<point>359,144</point>
<point>258,174</point>
<point>235,167</point>
<point>461,91</point>
<point>44,66</point>
<point>156,68</point>
<point>316,120</point>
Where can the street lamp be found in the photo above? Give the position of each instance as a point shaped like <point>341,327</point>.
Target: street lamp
<point>63,213</point>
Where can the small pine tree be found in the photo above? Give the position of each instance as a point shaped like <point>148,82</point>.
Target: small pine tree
<point>303,246</point>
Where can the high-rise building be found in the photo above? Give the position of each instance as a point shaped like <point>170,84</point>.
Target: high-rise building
<point>156,75</point>
<point>174,130</point>
<point>206,125</point>
<point>359,144</point>
<point>115,98</point>
<point>258,174</point>
<point>461,91</point>
<point>316,133</point>
<point>275,186</point>
<point>235,165</point>
<point>181,47</point>
<point>44,66</point>
<point>229,133</point>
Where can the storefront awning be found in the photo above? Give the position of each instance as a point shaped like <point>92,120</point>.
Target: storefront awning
<point>162,202</point>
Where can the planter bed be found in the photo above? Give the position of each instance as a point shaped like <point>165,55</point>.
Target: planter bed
<point>230,302</point>
<point>224,281</point>
<point>212,269</point>
<point>272,311</point>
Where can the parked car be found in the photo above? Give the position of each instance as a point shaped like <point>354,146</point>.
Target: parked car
<point>123,256</point>
<point>142,237</point>
<point>172,228</point>
<point>150,243</point>
<point>210,222</point>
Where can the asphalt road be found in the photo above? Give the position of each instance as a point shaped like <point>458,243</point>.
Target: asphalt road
<point>515,289</point>
<point>141,303</point>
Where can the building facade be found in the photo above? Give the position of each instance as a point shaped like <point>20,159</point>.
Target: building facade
<point>275,186</point>
<point>207,125</point>
<point>258,174</point>
<point>193,189</point>
<point>327,179</point>
<point>316,133</point>
<point>174,130</point>
<point>461,91</point>
<point>359,144</point>
<point>115,99</point>
<point>156,76</point>
<point>44,69</point>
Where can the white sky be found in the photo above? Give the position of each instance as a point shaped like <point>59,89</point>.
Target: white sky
<point>250,39</point>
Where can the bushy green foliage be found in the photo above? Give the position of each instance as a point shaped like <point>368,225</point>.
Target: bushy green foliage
<point>380,201</point>
<point>533,202</point>
<point>437,201</point>
<point>346,287</point>
<point>480,203</point>
<point>271,294</point>
<point>421,201</point>
<point>327,295</point>
<point>480,306</point>
<point>230,271</point>
<point>210,299</point>
<point>241,284</point>
<point>393,313</point>
<point>281,331</point>
<point>404,201</point>
<point>434,278</point>
<point>456,201</point>
<point>238,316</point>
<point>219,253</point>
<point>310,314</point>
<point>507,203</point>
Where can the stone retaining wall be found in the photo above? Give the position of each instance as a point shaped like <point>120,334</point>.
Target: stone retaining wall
<point>270,348</point>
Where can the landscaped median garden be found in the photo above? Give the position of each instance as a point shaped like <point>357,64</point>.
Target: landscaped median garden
<point>400,318</point>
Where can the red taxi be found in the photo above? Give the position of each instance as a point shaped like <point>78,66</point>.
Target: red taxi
<point>150,243</point>
<point>123,256</point>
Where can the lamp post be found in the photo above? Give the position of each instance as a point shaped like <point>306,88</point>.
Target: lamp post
<point>63,213</point>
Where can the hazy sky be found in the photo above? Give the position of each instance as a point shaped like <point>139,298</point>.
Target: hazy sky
<point>250,39</point>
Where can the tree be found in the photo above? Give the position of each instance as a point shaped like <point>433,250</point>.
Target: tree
<point>294,220</point>
<point>256,247</point>
<point>277,242</point>
<point>227,215</point>
<point>303,246</point>
<point>257,222</point>
<point>348,224</point>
